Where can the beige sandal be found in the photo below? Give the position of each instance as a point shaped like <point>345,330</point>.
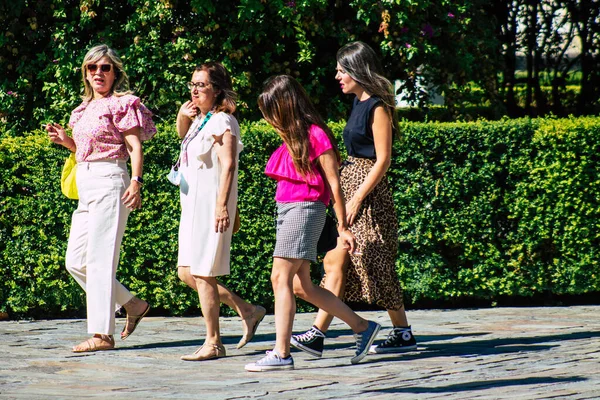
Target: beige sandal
<point>257,316</point>
<point>106,342</point>
<point>133,321</point>
<point>206,352</point>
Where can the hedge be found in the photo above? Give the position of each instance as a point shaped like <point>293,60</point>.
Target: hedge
<point>486,209</point>
<point>508,208</point>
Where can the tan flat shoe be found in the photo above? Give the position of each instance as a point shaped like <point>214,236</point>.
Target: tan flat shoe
<point>95,343</point>
<point>251,324</point>
<point>206,352</point>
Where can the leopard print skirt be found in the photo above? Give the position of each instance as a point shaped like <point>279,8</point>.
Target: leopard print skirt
<point>372,276</point>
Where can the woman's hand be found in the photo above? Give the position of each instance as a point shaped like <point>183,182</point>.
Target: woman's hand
<point>188,109</point>
<point>187,112</point>
<point>58,135</point>
<point>132,197</point>
<point>221,219</point>
<point>352,209</point>
<point>348,241</point>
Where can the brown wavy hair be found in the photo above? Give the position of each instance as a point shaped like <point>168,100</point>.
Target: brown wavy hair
<point>359,61</point>
<point>220,80</point>
<point>285,105</point>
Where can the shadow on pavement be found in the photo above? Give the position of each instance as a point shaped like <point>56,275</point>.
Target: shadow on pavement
<point>227,340</point>
<point>473,347</point>
<point>480,385</point>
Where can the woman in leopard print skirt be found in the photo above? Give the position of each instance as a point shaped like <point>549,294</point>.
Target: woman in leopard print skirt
<point>369,275</point>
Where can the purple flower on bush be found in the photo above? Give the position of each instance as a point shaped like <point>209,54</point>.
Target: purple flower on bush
<point>291,4</point>
<point>10,93</point>
<point>55,61</point>
<point>404,29</point>
<point>427,31</point>
<point>407,45</point>
<point>450,15</point>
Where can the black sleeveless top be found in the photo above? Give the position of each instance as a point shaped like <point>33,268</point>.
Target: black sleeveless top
<point>358,134</point>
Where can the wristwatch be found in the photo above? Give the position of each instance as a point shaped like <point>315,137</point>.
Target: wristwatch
<point>138,179</point>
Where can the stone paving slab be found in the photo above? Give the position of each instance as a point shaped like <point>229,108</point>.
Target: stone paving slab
<point>496,353</point>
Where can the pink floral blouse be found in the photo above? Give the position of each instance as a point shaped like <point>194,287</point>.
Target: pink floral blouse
<point>98,127</point>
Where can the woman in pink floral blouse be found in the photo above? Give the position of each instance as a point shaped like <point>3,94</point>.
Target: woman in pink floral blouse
<point>108,129</point>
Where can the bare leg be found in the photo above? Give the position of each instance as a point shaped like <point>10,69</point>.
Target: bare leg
<point>251,315</point>
<point>335,264</point>
<point>241,307</point>
<point>398,317</point>
<point>209,301</point>
<point>135,306</point>
<point>327,301</point>
<point>285,303</point>
<point>282,276</point>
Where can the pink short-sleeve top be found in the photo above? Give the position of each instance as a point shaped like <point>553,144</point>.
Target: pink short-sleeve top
<point>98,127</point>
<point>291,185</point>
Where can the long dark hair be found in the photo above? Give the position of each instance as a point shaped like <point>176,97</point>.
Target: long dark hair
<point>285,105</point>
<point>359,61</point>
<point>220,80</point>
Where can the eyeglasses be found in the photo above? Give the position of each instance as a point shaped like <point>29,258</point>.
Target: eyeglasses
<point>94,67</point>
<point>197,85</point>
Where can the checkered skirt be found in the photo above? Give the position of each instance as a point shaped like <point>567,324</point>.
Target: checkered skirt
<point>299,226</point>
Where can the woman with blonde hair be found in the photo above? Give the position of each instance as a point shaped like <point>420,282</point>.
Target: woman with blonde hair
<point>108,129</point>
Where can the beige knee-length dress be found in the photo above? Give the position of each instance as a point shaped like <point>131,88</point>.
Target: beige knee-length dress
<point>205,251</point>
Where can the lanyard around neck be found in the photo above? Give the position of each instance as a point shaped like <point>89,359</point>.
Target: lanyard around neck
<point>188,138</point>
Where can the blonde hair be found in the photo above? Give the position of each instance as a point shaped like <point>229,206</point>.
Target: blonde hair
<point>120,86</point>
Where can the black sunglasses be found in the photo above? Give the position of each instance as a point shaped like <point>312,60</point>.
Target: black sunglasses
<point>103,67</point>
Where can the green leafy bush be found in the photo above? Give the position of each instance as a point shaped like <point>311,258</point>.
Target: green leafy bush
<point>492,209</point>
<point>42,45</point>
<point>35,218</point>
<point>486,209</point>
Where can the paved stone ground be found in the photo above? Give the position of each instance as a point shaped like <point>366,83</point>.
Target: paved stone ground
<point>500,353</point>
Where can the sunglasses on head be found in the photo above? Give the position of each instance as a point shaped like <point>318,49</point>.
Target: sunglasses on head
<point>103,67</point>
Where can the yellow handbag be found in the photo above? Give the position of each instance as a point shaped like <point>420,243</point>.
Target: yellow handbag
<point>237,223</point>
<point>68,184</point>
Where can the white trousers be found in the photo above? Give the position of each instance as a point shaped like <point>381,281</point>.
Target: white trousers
<point>97,228</point>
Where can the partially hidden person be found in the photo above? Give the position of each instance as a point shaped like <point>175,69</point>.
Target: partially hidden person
<point>306,170</point>
<point>369,274</point>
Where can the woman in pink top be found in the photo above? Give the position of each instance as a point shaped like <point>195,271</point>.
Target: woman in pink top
<point>108,128</point>
<point>305,168</point>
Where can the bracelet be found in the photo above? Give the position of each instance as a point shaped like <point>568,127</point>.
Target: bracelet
<point>138,179</point>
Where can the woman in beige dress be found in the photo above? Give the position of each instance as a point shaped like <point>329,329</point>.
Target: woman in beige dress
<point>209,169</point>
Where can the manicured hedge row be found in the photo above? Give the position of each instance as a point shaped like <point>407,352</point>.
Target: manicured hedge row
<point>507,208</point>
<point>486,209</point>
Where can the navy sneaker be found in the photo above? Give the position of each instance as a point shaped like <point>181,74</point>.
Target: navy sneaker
<point>271,362</point>
<point>364,340</point>
<point>398,341</point>
<point>310,341</point>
